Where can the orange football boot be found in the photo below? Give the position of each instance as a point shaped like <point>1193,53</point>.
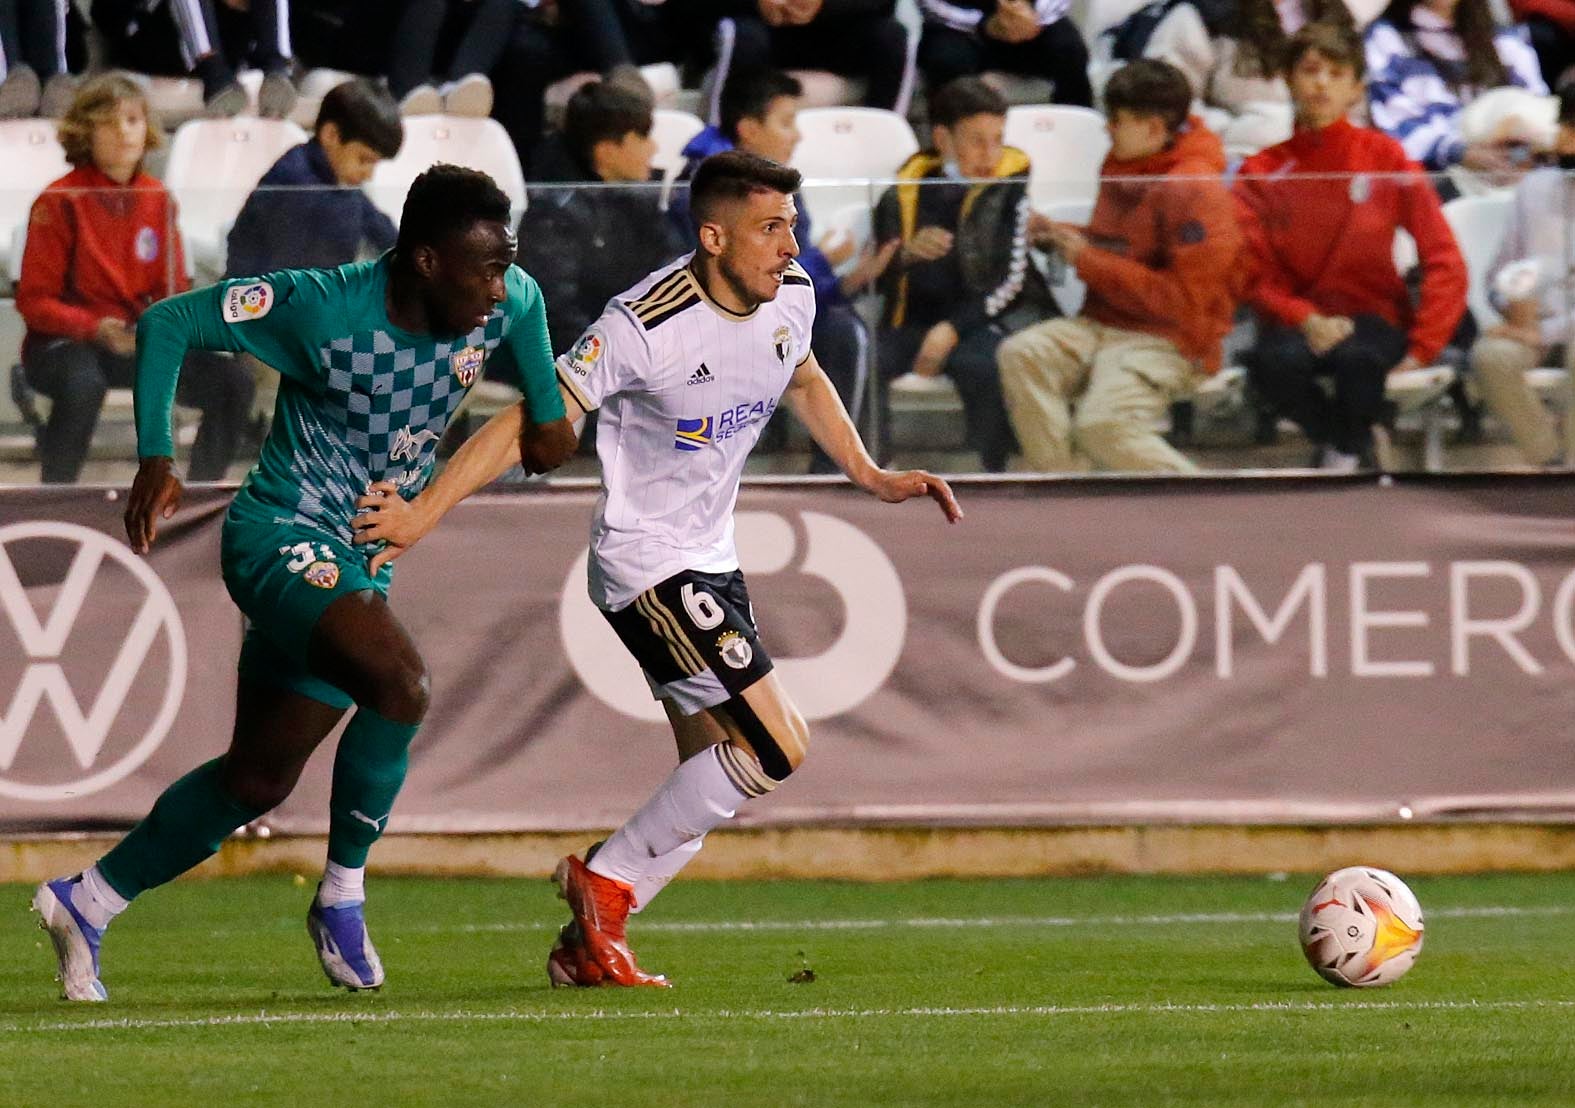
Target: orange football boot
<point>601,909</point>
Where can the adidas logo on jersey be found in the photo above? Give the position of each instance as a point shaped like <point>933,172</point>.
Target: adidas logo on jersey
<point>701,376</point>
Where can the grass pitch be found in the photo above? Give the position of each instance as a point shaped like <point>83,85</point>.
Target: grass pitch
<point>1095,991</point>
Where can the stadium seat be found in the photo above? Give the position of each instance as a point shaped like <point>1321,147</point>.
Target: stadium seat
<point>1064,282</point>
<point>1479,223</point>
<point>475,143</point>
<point>1066,146</point>
<point>213,166</point>
<point>844,154</point>
<point>672,130</point>
<point>33,158</point>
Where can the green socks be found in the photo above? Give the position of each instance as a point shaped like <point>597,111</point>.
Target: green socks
<point>369,769</point>
<point>186,826</point>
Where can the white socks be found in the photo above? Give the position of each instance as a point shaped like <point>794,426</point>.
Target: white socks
<point>342,885</point>
<point>696,797</point>
<point>95,900</point>
<point>662,870</point>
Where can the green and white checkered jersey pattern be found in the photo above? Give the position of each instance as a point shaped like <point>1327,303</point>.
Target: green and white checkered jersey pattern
<point>360,401</point>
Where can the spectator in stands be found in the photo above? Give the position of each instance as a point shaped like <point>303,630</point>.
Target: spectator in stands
<point>1320,213</point>
<point>961,280</point>
<point>1428,59</point>
<point>34,76</point>
<point>1161,257</point>
<point>852,38</point>
<point>1231,52</point>
<point>1551,26</point>
<point>436,55</point>
<point>586,245</point>
<point>758,112</point>
<point>308,210</point>
<point>101,247</point>
<point>1533,281</point>
<point>1032,38</point>
<point>206,40</point>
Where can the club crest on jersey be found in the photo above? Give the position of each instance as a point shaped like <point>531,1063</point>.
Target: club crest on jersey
<point>735,649</point>
<point>247,302</point>
<point>692,434</point>
<point>585,354</point>
<point>782,343</point>
<point>467,363</point>
<point>325,575</point>
<point>147,244</point>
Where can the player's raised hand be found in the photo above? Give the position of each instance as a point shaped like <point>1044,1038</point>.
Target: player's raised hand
<point>382,515</point>
<point>896,486</point>
<point>155,495</point>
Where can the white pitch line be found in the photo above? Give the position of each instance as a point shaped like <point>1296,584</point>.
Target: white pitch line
<point>966,923</point>
<point>602,1015</point>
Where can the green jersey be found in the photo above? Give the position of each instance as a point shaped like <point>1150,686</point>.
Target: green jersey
<point>360,400</point>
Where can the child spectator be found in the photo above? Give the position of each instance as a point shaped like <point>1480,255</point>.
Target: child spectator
<point>207,41</point>
<point>102,246</point>
<point>1160,256</point>
<point>1320,213</point>
<point>1033,38</point>
<point>758,112</point>
<point>308,210</point>
<point>1538,255</point>
<point>961,281</point>
<point>34,76</point>
<point>1427,60</point>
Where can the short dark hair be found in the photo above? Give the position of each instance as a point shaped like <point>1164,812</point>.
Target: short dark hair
<point>1149,86</point>
<point>446,200</point>
<point>363,111</point>
<point>964,97</point>
<point>748,94</point>
<point>1341,45</point>
<point>735,175</point>
<point>600,111</point>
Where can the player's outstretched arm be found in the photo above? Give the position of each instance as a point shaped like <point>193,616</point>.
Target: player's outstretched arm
<point>505,439</point>
<point>815,402</point>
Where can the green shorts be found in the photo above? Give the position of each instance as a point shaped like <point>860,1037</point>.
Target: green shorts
<point>283,576</point>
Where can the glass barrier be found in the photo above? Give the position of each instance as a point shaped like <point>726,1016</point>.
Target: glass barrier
<point>1015,326</point>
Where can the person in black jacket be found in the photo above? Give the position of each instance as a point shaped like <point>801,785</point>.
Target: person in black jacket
<point>1033,38</point>
<point>962,280</point>
<point>308,211</point>
<point>585,245</point>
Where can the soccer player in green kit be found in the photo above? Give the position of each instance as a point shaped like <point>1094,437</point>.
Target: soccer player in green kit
<point>374,358</point>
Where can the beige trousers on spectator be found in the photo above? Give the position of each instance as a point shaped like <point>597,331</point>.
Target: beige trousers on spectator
<point>1501,366</point>
<point>1122,383</point>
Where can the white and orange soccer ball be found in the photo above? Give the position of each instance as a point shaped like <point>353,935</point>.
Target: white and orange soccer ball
<point>1361,927</point>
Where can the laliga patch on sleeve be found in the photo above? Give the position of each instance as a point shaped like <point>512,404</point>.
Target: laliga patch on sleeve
<point>586,353</point>
<point>1191,233</point>
<point>243,303</point>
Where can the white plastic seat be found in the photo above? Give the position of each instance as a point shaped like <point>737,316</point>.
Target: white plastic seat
<point>844,154</point>
<point>1479,224</point>
<point>480,144</point>
<point>671,131</point>
<point>32,158</point>
<point>1065,145</point>
<point>1065,285</point>
<point>213,166</point>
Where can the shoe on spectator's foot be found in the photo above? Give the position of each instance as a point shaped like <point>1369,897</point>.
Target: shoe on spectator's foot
<point>277,96</point>
<point>470,96</point>
<point>569,963</point>
<point>421,100</point>
<point>19,93</point>
<point>912,383</point>
<point>601,908</point>
<point>226,102</point>
<point>59,91</point>
<point>76,940</point>
<point>345,949</point>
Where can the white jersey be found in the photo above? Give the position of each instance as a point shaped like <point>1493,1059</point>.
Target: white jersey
<point>685,388</point>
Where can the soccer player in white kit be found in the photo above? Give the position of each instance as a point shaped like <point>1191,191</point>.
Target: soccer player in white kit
<point>685,369</point>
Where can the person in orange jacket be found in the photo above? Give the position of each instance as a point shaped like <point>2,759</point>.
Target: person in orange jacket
<point>101,247</point>
<point>1320,212</point>
<point>1160,257</point>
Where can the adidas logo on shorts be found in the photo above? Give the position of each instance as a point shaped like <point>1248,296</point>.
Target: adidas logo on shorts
<point>701,376</point>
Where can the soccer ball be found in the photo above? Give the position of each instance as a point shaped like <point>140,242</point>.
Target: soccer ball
<point>1361,927</point>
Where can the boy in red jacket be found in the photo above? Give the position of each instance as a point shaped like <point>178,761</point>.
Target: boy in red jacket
<point>1159,257</point>
<point>1320,212</point>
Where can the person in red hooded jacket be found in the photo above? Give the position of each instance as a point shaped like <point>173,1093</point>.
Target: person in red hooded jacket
<point>1320,212</point>
<point>101,247</point>
<point>1160,257</point>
